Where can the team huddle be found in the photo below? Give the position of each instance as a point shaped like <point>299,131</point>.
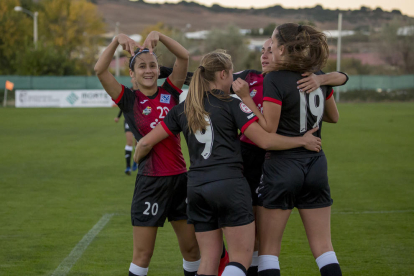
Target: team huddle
<point>254,140</point>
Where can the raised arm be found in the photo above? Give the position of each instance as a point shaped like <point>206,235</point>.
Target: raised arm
<point>311,82</point>
<point>179,73</point>
<point>146,143</point>
<point>108,81</point>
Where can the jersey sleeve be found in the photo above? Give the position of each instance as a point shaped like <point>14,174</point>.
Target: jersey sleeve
<point>329,92</point>
<point>165,72</point>
<point>125,100</point>
<point>172,89</point>
<point>171,122</point>
<point>271,91</point>
<point>243,116</point>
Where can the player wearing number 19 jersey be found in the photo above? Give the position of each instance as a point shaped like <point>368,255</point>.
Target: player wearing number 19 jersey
<point>304,170</point>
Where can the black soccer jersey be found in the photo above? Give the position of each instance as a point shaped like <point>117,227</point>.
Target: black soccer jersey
<point>300,111</point>
<point>214,154</point>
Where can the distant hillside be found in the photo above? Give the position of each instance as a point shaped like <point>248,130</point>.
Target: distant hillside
<point>135,16</point>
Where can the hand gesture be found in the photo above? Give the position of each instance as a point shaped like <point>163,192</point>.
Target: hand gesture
<point>127,43</point>
<point>241,88</point>
<point>116,119</point>
<point>151,41</point>
<point>312,143</point>
<point>309,83</point>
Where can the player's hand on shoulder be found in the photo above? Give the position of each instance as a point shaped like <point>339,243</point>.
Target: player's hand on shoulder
<point>241,88</point>
<point>127,43</point>
<point>309,83</point>
<point>151,41</point>
<point>312,142</point>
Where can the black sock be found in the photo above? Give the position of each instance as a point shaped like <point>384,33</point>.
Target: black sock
<point>224,251</point>
<point>128,158</point>
<point>269,272</point>
<point>331,270</point>
<point>188,273</point>
<point>252,271</point>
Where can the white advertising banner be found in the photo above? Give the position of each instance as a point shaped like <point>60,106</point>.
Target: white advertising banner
<point>63,98</point>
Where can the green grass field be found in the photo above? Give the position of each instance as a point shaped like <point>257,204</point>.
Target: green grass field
<point>61,170</point>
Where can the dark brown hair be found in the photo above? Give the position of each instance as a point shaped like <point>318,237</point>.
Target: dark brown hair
<point>306,49</point>
<point>200,86</point>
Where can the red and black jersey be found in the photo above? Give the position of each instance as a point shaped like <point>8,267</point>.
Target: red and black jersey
<point>255,80</point>
<point>300,111</point>
<point>143,113</point>
<point>215,153</point>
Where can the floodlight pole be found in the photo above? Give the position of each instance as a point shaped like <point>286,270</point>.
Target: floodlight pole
<point>338,52</point>
<point>117,51</point>
<point>34,15</point>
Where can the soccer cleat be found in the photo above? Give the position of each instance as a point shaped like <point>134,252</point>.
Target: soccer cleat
<point>134,166</point>
<point>223,262</point>
<point>128,171</point>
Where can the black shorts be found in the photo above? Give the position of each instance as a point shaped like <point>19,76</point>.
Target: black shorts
<point>158,197</point>
<point>295,182</point>
<point>253,159</point>
<point>126,127</point>
<point>218,204</point>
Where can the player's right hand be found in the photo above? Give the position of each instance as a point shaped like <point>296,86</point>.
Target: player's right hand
<point>312,142</point>
<point>127,43</point>
<point>241,88</point>
<point>116,119</point>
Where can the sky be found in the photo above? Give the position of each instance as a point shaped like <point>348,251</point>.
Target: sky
<point>405,6</point>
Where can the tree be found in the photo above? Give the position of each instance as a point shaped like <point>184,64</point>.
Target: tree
<point>69,34</point>
<point>396,45</point>
<point>16,31</point>
<point>232,41</point>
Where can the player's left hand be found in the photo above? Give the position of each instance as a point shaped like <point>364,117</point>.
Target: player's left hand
<point>241,88</point>
<point>151,41</point>
<point>309,83</point>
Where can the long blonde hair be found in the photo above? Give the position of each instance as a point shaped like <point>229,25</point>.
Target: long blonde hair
<point>200,86</point>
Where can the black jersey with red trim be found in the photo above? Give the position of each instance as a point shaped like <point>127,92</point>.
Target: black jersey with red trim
<point>215,153</point>
<point>255,80</point>
<point>300,111</point>
<point>143,113</point>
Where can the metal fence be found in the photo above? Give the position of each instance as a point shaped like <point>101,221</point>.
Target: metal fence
<point>356,82</point>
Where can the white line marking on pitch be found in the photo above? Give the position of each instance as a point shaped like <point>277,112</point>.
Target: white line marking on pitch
<point>373,212</point>
<point>77,252</point>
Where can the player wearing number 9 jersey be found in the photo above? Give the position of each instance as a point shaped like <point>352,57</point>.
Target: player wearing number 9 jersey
<point>218,194</point>
<point>295,177</point>
<point>161,183</point>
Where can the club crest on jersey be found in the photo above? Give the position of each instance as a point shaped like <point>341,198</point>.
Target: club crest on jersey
<point>253,93</point>
<point>244,108</point>
<point>165,98</point>
<point>147,110</point>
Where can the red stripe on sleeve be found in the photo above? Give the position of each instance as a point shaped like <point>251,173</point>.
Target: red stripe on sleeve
<point>272,100</point>
<point>120,95</point>
<point>330,95</point>
<point>173,86</point>
<point>166,129</point>
<point>249,123</point>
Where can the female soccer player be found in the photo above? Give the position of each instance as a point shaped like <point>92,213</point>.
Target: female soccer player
<point>253,156</point>
<point>218,194</point>
<point>295,177</point>
<point>160,188</point>
<point>128,147</point>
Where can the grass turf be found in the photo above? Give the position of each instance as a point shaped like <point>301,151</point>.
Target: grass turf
<point>61,170</point>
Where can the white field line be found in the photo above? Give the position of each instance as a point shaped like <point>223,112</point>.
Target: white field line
<point>78,250</point>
